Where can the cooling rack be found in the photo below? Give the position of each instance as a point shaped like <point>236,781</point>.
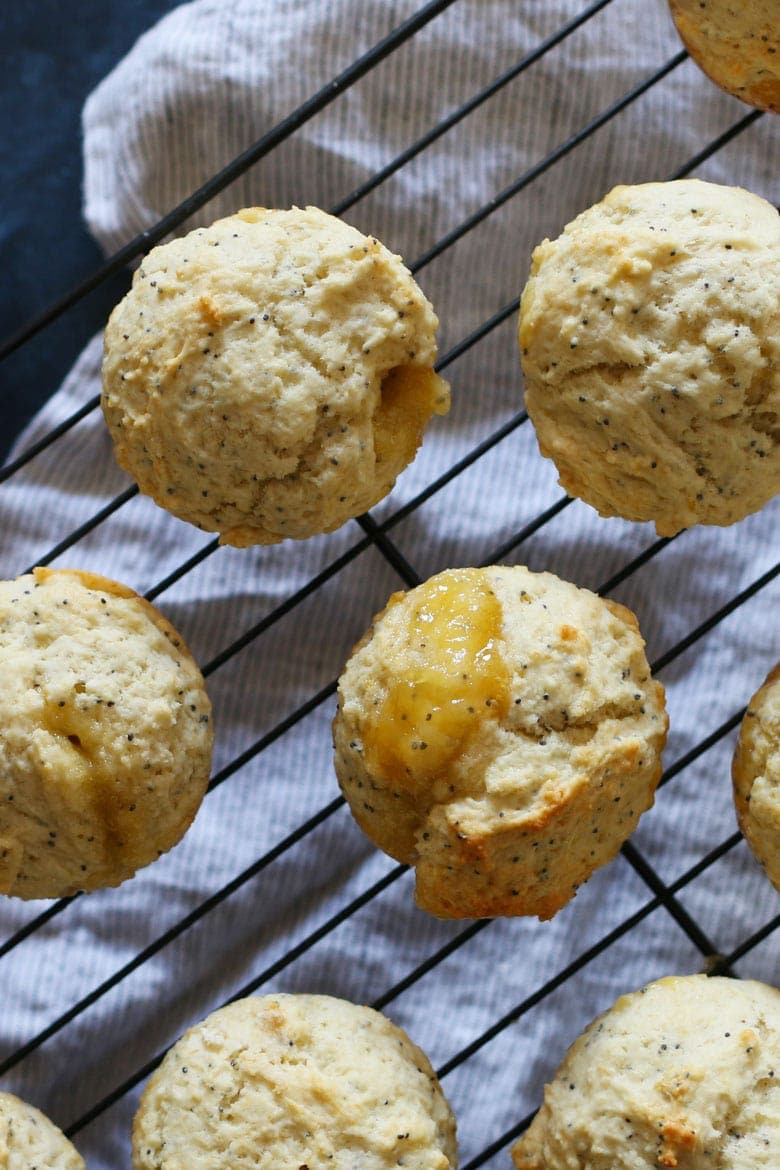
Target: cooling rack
<point>274,888</point>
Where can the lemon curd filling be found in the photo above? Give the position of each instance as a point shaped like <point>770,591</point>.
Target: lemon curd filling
<point>91,789</point>
<point>429,715</point>
<point>409,396</point>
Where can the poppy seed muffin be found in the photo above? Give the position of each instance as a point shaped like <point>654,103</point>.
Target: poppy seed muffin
<point>651,353</point>
<point>499,730</point>
<point>105,734</point>
<point>271,375</point>
<point>281,1082</point>
<point>682,1073</point>
<point>29,1141</point>
<point>736,43</point>
<point>756,776</point>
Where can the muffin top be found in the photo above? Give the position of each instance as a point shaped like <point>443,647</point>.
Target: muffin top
<point>29,1141</point>
<point>499,729</point>
<point>756,776</point>
<point>285,1081</point>
<point>736,43</point>
<point>105,734</point>
<point>269,376</point>
<point>651,353</point>
<point>683,1073</point>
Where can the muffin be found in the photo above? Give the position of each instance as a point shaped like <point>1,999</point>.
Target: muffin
<point>650,343</point>
<point>105,734</point>
<point>284,1082</point>
<point>29,1141</point>
<point>756,776</point>
<point>499,730</point>
<point>271,375</point>
<point>736,43</point>
<point>682,1073</point>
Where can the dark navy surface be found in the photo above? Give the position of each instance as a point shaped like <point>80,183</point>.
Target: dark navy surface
<point>53,55</point>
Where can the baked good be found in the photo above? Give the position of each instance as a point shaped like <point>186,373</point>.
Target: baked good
<point>736,43</point>
<point>105,734</point>
<point>29,1141</point>
<point>271,375</point>
<point>682,1073</point>
<point>756,775</point>
<point>499,730</point>
<point>651,353</point>
<point>283,1082</point>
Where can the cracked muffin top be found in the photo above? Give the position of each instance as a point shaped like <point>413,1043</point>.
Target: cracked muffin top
<point>499,730</point>
<point>271,375</point>
<point>105,734</point>
<point>650,341</point>
<point>294,1082</point>
<point>684,1074</point>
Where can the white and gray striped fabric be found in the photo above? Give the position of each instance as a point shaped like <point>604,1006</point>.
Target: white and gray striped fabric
<point>200,87</point>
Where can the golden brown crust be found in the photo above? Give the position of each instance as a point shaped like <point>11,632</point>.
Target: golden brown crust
<point>649,346</point>
<point>101,584</point>
<point>271,375</point>
<point>755,773</point>
<point>561,824</point>
<point>105,734</point>
<point>283,1082</point>
<point>680,1075</point>
<point>88,580</point>
<point>506,810</point>
<point>736,43</point>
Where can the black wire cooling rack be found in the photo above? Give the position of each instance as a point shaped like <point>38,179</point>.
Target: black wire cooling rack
<point>205,941</point>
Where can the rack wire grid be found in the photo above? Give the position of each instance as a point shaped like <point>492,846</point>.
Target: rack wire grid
<point>274,888</point>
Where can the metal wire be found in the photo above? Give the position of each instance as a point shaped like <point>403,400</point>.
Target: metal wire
<point>376,535</point>
<point>314,105</point>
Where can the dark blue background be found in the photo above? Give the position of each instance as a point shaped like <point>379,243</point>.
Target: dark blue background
<point>53,55</point>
